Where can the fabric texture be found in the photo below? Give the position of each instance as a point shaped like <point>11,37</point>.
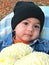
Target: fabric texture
<point>24,10</point>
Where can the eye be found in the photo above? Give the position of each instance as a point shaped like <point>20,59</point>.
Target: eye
<point>36,26</point>
<point>26,23</point>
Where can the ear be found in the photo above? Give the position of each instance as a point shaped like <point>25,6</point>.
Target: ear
<point>13,33</point>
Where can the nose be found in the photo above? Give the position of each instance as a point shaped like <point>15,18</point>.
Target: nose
<point>30,28</point>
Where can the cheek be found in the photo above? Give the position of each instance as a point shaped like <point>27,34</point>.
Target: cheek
<point>35,35</point>
<point>19,29</point>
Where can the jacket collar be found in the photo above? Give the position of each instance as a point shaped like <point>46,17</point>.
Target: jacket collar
<point>39,40</point>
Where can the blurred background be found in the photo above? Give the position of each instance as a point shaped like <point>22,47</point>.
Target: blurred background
<point>6,6</point>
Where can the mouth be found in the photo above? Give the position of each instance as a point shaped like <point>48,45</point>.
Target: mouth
<point>28,35</point>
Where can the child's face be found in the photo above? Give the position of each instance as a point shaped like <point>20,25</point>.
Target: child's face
<point>27,29</point>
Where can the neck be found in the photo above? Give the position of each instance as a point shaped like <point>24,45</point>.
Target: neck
<point>20,41</point>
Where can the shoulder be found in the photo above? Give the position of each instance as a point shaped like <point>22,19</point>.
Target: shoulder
<point>6,41</point>
<point>43,41</point>
<point>43,45</point>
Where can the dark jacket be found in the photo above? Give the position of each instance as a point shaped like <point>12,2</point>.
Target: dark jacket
<point>38,45</point>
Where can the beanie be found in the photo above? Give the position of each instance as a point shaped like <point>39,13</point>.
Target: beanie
<point>24,10</point>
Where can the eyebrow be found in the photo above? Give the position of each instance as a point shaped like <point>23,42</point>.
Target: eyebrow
<point>36,23</point>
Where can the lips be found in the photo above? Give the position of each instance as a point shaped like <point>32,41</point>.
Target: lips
<point>29,35</point>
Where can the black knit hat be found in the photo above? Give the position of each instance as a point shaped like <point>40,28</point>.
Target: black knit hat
<point>24,10</point>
